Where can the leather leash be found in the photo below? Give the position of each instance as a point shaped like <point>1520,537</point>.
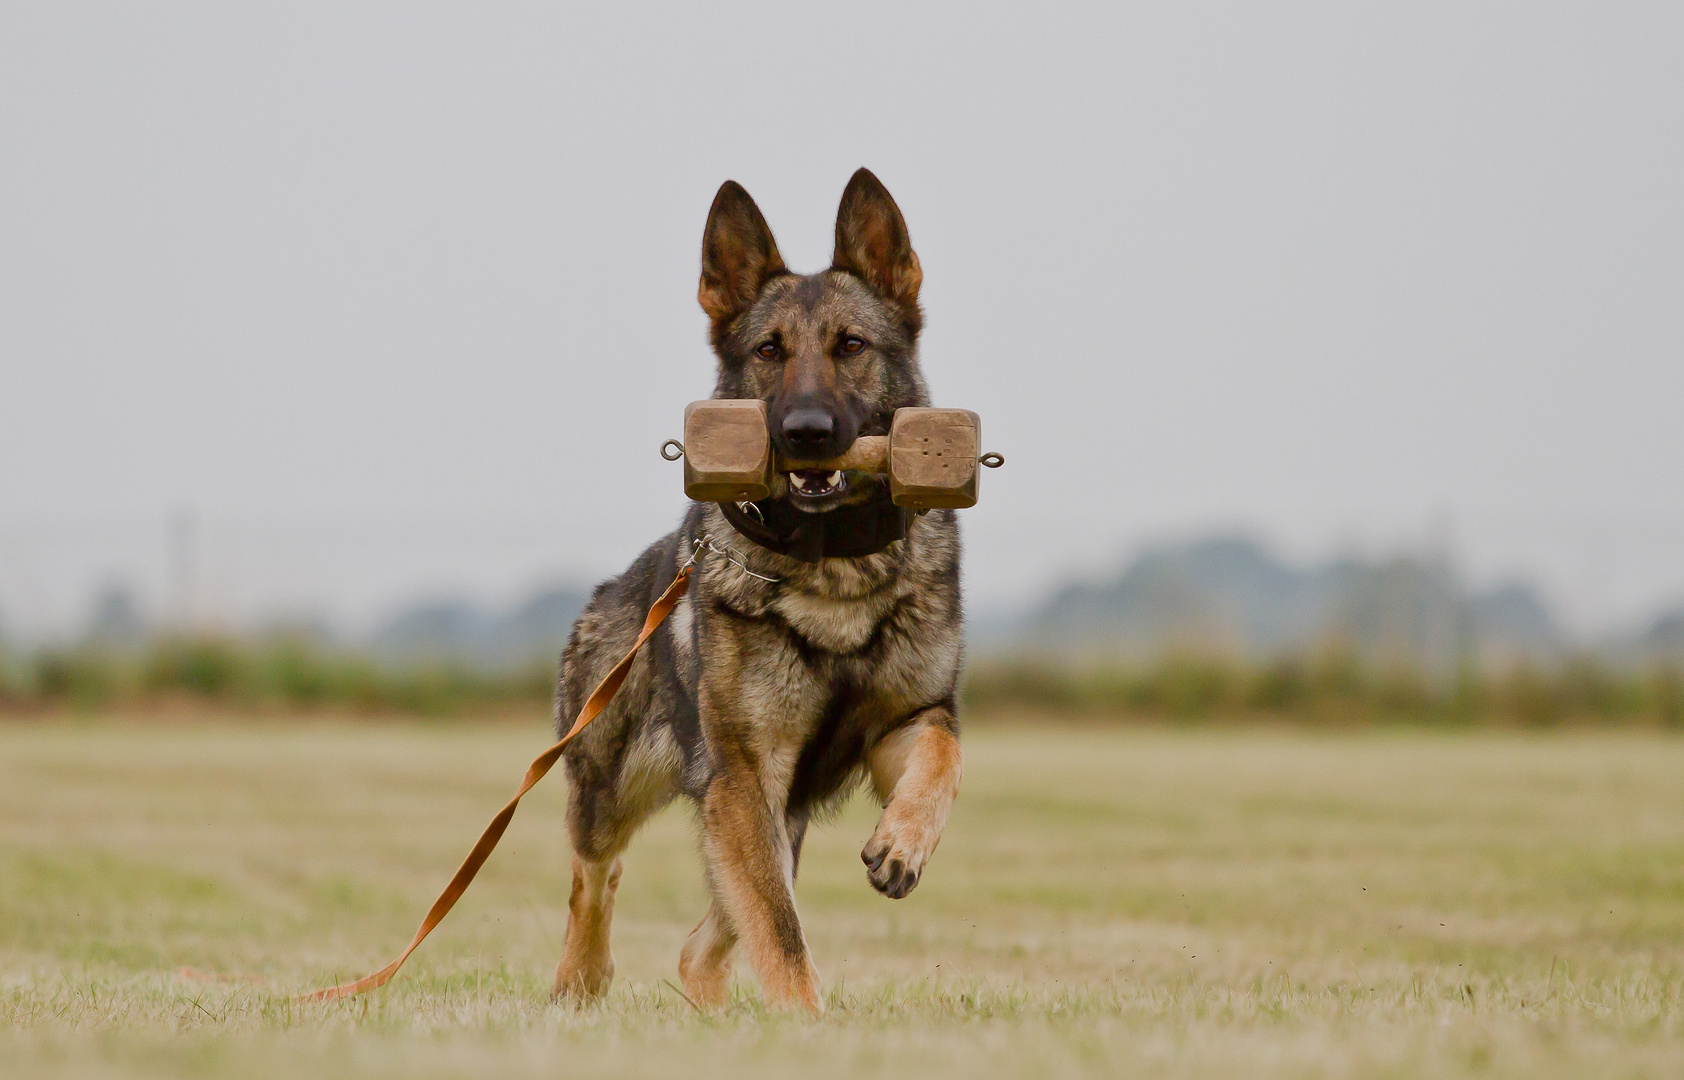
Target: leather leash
<point>599,699</point>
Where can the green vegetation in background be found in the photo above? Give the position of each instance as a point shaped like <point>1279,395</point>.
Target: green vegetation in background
<point>285,673</point>
<point>1332,688</point>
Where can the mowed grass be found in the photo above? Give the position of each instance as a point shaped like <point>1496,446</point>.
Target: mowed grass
<point>1106,902</point>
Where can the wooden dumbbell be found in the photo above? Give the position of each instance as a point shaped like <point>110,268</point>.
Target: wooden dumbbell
<point>930,455</point>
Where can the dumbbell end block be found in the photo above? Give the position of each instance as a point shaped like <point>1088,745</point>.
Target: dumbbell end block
<point>933,458</point>
<point>727,454</point>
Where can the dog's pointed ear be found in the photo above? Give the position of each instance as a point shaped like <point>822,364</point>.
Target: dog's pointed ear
<point>738,255</point>
<point>873,245</point>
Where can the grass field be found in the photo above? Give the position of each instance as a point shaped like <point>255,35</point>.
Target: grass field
<point>1106,902</point>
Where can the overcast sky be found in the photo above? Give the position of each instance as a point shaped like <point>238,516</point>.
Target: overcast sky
<point>400,299</point>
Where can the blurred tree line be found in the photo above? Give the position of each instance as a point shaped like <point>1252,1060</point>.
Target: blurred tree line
<point>1333,688</point>
<point>300,675</point>
<point>279,674</point>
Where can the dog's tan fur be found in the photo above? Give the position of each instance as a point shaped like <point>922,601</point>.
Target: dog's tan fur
<point>587,966</point>
<point>915,771</point>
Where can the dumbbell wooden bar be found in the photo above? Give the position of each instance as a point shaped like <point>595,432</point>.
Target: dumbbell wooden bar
<point>931,455</point>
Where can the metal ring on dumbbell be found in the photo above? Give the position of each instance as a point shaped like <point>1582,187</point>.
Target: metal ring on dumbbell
<point>991,460</point>
<point>676,446</point>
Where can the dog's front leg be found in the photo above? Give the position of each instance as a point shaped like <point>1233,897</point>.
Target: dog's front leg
<point>915,770</point>
<point>748,851</point>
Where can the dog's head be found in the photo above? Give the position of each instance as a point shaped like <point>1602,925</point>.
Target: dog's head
<point>832,354</point>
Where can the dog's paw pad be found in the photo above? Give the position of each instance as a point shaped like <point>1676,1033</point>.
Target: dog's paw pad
<point>893,878</point>
<point>901,884</point>
<point>895,855</point>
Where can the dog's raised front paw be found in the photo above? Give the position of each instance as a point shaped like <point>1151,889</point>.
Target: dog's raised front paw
<point>895,855</point>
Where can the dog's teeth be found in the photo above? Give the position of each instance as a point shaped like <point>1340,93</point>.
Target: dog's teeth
<point>808,485</point>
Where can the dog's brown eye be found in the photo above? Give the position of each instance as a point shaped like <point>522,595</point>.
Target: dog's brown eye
<point>768,351</point>
<point>852,345</point>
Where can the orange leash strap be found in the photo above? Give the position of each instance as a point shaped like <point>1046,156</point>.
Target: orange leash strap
<point>599,699</point>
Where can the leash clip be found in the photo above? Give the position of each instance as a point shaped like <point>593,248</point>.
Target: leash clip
<point>705,541</point>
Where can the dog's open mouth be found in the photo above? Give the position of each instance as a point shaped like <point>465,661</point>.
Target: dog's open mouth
<point>817,483</point>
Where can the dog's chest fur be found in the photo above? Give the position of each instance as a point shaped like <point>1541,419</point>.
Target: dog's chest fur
<point>843,624</point>
<point>817,666</point>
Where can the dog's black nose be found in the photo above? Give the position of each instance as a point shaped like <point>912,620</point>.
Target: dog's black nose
<point>809,430</point>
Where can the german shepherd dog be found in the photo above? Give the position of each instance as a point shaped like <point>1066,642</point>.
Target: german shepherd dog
<point>789,673</point>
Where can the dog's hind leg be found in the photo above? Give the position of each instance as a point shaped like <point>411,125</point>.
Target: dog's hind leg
<point>603,812</point>
<point>704,966</point>
<point>796,826</point>
<point>587,965</point>
<point>915,771</point>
